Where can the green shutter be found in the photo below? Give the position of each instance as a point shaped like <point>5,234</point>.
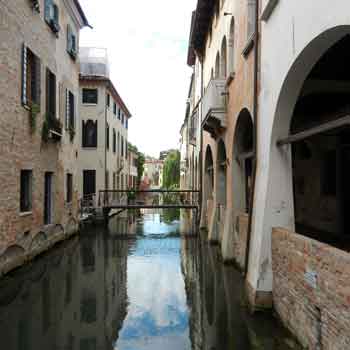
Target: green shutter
<point>24,75</point>
<point>48,9</point>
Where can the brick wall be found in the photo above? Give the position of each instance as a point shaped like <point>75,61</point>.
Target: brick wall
<point>311,290</point>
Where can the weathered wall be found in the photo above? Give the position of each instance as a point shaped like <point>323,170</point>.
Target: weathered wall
<point>316,310</point>
<point>22,149</point>
<point>240,239</point>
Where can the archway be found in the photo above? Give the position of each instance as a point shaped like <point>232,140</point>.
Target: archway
<point>221,174</point>
<point>208,175</point>
<point>217,66</point>
<point>242,164</point>
<point>223,63</point>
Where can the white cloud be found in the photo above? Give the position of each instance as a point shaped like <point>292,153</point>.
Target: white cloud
<point>147,48</point>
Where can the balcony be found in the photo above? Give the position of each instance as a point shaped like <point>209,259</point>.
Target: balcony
<point>214,107</point>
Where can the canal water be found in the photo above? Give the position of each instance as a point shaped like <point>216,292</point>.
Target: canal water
<point>150,289</point>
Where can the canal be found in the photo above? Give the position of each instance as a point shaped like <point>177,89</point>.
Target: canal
<point>137,285</point>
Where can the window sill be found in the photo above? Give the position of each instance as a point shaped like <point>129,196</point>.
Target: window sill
<point>90,104</point>
<point>89,148</point>
<point>25,213</point>
<point>249,46</point>
<point>268,10</point>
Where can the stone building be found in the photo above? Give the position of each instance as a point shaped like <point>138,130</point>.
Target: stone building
<point>275,120</point>
<point>132,161</point>
<point>39,125</point>
<point>153,172</point>
<point>103,156</point>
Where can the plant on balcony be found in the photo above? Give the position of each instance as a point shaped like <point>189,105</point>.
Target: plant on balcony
<point>35,5</point>
<point>33,115</point>
<point>51,127</point>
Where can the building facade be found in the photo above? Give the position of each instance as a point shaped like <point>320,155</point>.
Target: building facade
<point>274,120</point>
<point>103,157</point>
<point>132,161</point>
<point>39,118</point>
<point>153,173</point>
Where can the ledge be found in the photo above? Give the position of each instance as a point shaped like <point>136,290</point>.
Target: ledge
<point>249,46</point>
<point>25,213</point>
<point>270,6</point>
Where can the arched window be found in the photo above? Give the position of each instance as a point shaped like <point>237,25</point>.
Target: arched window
<point>217,67</point>
<point>89,133</point>
<point>223,63</point>
<point>231,45</point>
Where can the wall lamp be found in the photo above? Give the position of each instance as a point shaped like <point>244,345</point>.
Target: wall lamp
<point>228,14</point>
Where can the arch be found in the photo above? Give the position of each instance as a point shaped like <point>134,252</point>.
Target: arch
<point>217,66</point>
<point>231,47</point>
<point>242,164</point>
<point>283,178</point>
<point>208,175</point>
<point>221,165</point>
<point>223,61</point>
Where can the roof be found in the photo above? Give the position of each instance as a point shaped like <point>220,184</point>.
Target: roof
<point>110,86</point>
<point>201,21</point>
<point>191,56</point>
<point>82,14</point>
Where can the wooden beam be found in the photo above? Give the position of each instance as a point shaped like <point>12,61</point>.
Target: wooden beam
<point>320,129</point>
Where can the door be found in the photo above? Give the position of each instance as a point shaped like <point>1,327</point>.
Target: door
<point>89,182</point>
<point>48,199</point>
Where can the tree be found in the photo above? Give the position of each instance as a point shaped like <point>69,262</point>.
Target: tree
<point>171,170</point>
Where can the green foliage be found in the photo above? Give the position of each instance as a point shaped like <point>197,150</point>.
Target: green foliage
<point>45,131</point>
<point>50,123</point>
<point>34,111</point>
<point>140,161</point>
<point>171,171</point>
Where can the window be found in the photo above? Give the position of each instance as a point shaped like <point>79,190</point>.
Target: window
<point>251,18</point>
<point>114,108</point>
<point>90,96</point>
<point>119,112</point>
<point>71,42</point>
<point>52,15</point>
<point>26,191</point>
<point>89,133</point>
<point>108,100</point>
<point>107,136</point>
<point>70,110</point>
<point>118,143</point>
<point>126,149</point>
<point>127,123</point>
<point>69,195</point>
<point>114,141</point>
<point>123,118</point>
<point>122,146</point>
<point>31,78</point>
<point>50,94</point>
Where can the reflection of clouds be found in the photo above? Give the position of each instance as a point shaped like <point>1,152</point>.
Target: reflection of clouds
<point>157,315</point>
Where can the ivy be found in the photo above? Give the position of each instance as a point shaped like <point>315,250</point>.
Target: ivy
<point>33,115</point>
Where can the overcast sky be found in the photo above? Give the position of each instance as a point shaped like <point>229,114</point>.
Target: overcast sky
<point>147,49</point>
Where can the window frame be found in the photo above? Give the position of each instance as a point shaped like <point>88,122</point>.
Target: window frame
<point>89,103</point>
<point>26,191</point>
<point>69,188</point>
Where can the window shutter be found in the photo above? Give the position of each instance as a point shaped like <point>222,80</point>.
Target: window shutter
<point>24,75</point>
<point>67,110</point>
<point>48,9</point>
<point>69,38</point>
<point>37,81</point>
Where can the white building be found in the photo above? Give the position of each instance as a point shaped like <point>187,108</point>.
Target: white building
<point>104,144</point>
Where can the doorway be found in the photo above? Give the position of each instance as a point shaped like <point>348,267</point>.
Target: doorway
<point>89,182</point>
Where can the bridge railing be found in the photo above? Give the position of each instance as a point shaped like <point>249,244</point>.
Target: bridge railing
<point>157,198</point>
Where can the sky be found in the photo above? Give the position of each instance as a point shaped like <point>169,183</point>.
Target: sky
<point>147,50</point>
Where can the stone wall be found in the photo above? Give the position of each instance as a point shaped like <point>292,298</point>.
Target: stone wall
<point>311,290</point>
<point>240,239</point>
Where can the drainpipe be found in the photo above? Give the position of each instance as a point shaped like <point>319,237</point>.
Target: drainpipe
<point>255,133</point>
<point>201,149</point>
<point>105,142</point>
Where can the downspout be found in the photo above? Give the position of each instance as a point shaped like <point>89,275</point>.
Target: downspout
<point>201,148</point>
<point>105,142</point>
<point>255,134</point>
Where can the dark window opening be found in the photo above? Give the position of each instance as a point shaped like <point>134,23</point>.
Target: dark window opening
<point>90,96</point>
<point>107,137</point>
<point>89,133</point>
<point>89,182</point>
<point>50,94</point>
<point>26,191</point>
<point>114,141</point>
<point>108,100</point>
<point>69,196</point>
<point>329,174</point>
<point>70,111</point>
<point>114,108</point>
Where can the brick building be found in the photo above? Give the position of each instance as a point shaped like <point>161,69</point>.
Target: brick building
<point>39,142</point>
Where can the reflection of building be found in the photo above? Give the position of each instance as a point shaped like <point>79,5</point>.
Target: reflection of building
<point>103,158</point>
<point>74,298</point>
<point>39,125</point>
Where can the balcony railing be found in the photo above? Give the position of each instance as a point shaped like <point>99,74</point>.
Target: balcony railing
<point>214,106</point>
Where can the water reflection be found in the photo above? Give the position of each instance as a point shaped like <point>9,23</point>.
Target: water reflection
<point>72,298</point>
<point>154,290</point>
